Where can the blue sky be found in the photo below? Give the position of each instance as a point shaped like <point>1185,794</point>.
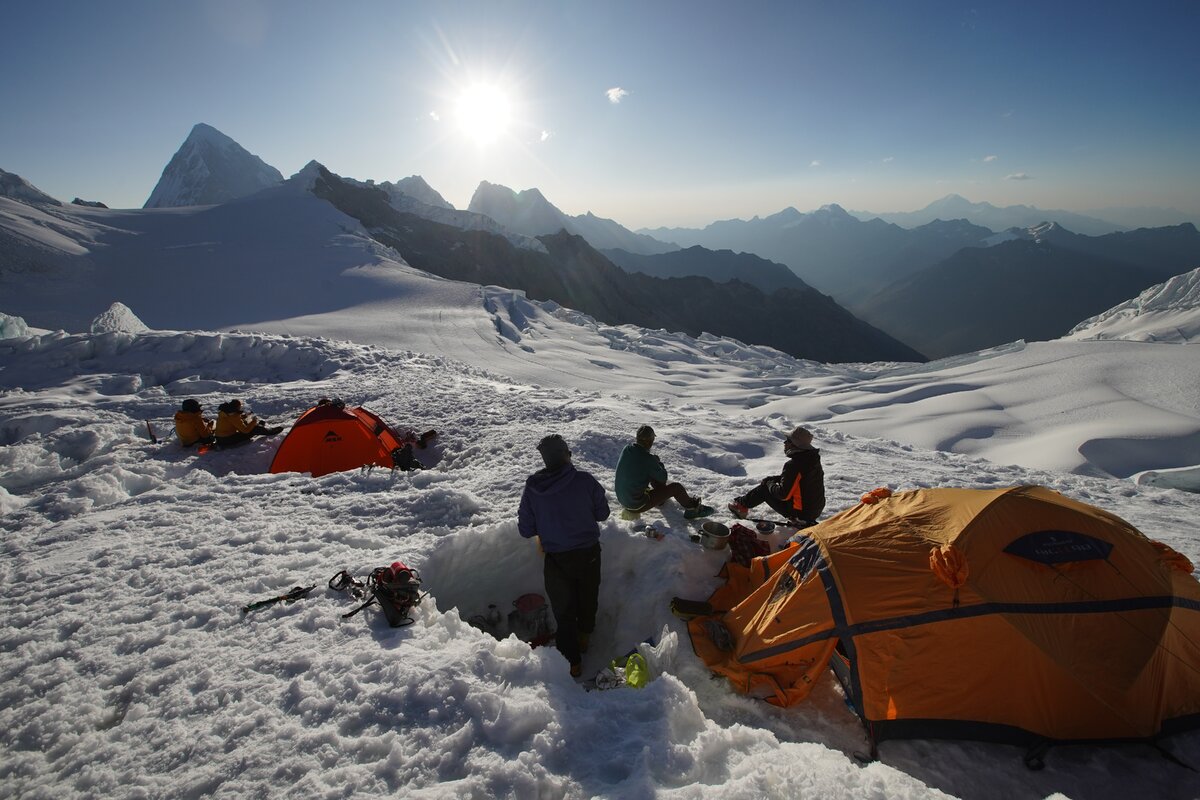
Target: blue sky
<point>724,110</point>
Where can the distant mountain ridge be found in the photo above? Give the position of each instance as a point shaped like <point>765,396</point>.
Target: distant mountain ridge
<point>801,322</point>
<point>954,206</point>
<point>210,168</point>
<point>406,196</point>
<point>719,266</point>
<point>870,267</point>
<point>1034,286</point>
<point>834,251</point>
<point>530,213</point>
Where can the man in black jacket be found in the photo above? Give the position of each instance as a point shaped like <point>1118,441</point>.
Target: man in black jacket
<point>798,493</point>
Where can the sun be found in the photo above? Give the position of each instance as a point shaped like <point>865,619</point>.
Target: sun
<point>483,113</point>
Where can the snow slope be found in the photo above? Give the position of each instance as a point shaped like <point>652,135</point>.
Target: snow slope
<point>1168,312</point>
<point>129,671</point>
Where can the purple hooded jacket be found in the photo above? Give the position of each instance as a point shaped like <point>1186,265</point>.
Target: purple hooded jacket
<point>563,506</point>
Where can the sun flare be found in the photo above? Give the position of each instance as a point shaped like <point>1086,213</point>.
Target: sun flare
<point>483,113</point>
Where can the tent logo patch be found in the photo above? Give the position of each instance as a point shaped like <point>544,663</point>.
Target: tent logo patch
<point>1059,547</point>
<point>332,437</point>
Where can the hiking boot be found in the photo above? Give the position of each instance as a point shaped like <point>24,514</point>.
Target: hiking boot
<point>274,430</point>
<point>739,509</point>
<point>576,670</point>
<point>697,511</point>
<point>629,514</point>
<point>584,638</point>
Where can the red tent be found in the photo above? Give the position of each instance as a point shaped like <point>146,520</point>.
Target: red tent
<point>332,438</point>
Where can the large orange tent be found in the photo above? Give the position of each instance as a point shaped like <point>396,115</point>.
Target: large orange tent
<point>332,438</point>
<point>1014,615</point>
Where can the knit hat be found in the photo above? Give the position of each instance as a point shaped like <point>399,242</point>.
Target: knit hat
<point>190,405</point>
<point>645,434</point>
<point>801,439</point>
<point>554,450</point>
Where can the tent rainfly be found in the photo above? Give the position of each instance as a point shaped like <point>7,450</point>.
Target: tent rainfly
<point>1014,615</point>
<point>332,438</point>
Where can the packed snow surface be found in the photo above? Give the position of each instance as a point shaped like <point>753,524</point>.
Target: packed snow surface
<point>129,669</point>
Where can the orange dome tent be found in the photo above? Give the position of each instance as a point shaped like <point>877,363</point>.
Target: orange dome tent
<point>1013,615</point>
<point>332,438</point>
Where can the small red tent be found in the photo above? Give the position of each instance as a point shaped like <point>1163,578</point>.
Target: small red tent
<point>332,438</point>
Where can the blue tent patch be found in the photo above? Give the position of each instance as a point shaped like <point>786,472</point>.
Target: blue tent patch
<point>1059,547</point>
<point>806,558</point>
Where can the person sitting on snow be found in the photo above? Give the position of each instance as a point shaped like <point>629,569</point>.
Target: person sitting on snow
<point>798,492</point>
<point>641,480</point>
<point>235,426</point>
<point>191,426</point>
<point>563,507</point>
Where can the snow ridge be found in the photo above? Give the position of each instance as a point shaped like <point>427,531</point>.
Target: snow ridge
<point>16,187</point>
<point>1166,312</point>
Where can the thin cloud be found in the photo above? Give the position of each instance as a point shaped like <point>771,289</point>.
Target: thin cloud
<point>1018,176</point>
<point>546,135</point>
<point>433,115</point>
<point>990,158</point>
<point>889,159</point>
<point>616,94</point>
<point>815,164</point>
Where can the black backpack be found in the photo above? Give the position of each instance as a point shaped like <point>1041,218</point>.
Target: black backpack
<point>396,588</point>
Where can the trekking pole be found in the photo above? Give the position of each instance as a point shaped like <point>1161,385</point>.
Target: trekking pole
<point>150,430</point>
<point>295,594</point>
<point>781,523</point>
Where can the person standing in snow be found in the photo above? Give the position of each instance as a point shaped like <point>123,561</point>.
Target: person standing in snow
<point>191,426</point>
<point>563,507</point>
<point>641,480</point>
<point>235,426</point>
<point>798,492</point>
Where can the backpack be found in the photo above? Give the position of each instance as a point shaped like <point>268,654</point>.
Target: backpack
<point>529,620</point>
<point>396,588</point>
<point>404,460</point>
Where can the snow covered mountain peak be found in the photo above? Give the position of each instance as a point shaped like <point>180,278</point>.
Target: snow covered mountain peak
<point>416,187</point>
<point>527,211</point>
<point>307,176</point>
<point>210,168</point>
<point>17,188</point>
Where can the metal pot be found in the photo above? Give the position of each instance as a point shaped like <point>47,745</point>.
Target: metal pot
<point>714,535</point>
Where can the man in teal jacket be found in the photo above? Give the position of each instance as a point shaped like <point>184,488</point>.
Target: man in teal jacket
<point>641,480</point>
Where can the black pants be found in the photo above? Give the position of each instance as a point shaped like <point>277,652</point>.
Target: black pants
<point>762,494</point>
<point>573,586</point>
<point>234,439</point>
<point>660,493</point>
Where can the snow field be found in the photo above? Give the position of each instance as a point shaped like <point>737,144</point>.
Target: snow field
<point>128,670</point>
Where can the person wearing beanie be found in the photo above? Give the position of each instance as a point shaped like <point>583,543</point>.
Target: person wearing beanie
<point>236,426</point>
<point>798,492</point>
<point>641,480</point>
<point>562,507</point>
<point>191,426</point>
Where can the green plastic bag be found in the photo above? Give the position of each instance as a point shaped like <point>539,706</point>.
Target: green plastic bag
<point>637,672</point>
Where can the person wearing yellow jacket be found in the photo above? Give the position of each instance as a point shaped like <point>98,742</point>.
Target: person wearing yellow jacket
<point>191,426</point>
<point>236,426</point>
